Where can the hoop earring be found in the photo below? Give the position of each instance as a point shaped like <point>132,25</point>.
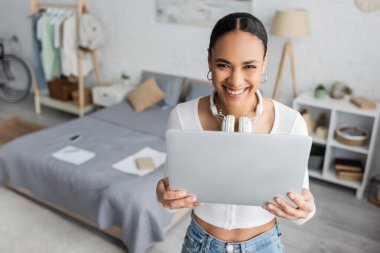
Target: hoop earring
<point>265,80</point>
<point>208,73</point>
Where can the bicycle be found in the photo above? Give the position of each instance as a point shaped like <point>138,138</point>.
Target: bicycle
<point>15,76</point>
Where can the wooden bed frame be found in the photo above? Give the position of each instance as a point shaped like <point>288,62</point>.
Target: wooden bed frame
<point>113,231</point>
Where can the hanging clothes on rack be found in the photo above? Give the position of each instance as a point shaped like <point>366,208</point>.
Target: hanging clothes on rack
<point>39,72</point>
<point>56,30</point>
<point>58,26</point>
<point>91,32</point>
<point>69,47</point>
<point>50,55</point>
<point>74,61</point>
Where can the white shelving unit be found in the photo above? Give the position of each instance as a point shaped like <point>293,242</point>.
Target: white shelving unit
<point>341,112</point>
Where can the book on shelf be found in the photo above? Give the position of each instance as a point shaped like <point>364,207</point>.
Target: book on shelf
<point>363,103</point>
<point>353,165</point>
<point>349,175</point>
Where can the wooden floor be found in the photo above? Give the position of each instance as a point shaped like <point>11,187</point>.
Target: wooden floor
<point>342,224</point>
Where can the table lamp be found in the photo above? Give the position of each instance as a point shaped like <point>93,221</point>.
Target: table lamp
<point>289,24</point>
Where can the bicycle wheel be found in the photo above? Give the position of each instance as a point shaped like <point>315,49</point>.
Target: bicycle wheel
<point>15,79</point>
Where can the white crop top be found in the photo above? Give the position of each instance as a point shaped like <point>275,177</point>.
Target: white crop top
<point>286,121</point>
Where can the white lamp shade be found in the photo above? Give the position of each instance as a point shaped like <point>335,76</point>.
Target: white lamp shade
<point>290,23</point>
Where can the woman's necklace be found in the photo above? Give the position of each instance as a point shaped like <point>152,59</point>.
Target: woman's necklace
<point>220,112</point>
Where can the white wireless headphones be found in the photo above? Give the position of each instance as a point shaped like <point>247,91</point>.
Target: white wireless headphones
<point>228,123</point>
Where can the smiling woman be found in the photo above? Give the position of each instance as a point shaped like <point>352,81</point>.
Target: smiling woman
<point>237,58</point>
<point>237,62</point>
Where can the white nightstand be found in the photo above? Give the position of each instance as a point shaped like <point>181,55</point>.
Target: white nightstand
<point>110,95</point>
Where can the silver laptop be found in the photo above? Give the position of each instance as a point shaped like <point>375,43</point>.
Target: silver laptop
<point>236,168</point>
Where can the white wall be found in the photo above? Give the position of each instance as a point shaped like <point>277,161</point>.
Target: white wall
<point>344,44</point>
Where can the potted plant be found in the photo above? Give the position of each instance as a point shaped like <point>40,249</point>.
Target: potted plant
<point>320,91</point>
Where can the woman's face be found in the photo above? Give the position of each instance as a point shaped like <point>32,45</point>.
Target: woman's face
<point>237,63</point>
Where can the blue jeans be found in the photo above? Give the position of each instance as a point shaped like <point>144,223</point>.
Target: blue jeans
<point>199,241</point>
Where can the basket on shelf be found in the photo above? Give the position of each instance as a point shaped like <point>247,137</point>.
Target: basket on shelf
<point>352,136</point>
<point>87,94</point>
<point>61,89</point>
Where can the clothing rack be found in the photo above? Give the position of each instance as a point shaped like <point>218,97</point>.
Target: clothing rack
<point>82,8</point>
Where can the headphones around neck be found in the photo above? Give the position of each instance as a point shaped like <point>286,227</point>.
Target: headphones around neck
<point>245,122</point>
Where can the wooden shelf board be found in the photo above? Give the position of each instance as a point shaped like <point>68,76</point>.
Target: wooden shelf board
<point>330,176</point>
<point>340,105</point>
<point>69,107</point>
<point>358,149</point>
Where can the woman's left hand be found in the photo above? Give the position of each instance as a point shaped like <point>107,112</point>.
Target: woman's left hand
<point>304,206</point>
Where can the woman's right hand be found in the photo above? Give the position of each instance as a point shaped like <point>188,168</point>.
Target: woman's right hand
<point>174,199</point>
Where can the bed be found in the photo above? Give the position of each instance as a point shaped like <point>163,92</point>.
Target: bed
<point>120,204</point>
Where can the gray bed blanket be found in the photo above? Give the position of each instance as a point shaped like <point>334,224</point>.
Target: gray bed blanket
<point>94,189</point>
